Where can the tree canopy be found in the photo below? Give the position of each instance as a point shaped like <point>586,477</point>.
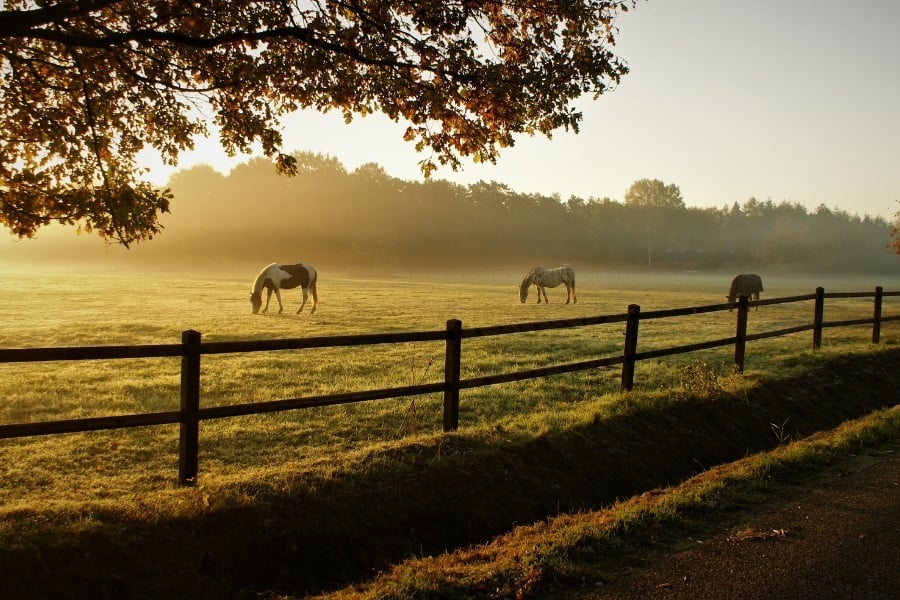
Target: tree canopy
<point>654,193</point>
<point>87,84</point>
<point>895,233</point>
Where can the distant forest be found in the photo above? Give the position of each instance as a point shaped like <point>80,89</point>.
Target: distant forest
<point>367,221</point>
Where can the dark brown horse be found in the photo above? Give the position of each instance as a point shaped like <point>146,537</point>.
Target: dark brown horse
<point>746,284</point>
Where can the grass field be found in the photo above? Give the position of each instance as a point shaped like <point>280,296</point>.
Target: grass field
<point>80,309</point>
<point>103,483</point>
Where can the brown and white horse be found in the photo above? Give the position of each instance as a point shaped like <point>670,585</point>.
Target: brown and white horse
<point>277,277</point>
<point>541,278</point>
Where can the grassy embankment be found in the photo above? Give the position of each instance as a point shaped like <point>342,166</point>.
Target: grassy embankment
<point>304,502</point>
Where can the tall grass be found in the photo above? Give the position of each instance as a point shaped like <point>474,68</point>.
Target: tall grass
<point>77,309</point>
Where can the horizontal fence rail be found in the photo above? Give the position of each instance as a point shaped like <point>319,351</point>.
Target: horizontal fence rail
<point>192,348</point>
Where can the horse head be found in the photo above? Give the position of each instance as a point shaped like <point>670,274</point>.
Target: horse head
<point>256,301</point>
<point>523,289</point>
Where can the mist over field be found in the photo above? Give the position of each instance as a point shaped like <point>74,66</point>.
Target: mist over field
<point>367,223</point>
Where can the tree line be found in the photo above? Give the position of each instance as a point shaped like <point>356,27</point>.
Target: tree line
<point>367,220</point>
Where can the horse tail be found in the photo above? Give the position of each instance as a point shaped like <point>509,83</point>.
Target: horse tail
<point>570,287</point>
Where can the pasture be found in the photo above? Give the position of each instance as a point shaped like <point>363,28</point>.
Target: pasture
<point>108,468</point>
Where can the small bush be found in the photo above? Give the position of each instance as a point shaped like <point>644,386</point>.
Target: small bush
<point>698,380</point>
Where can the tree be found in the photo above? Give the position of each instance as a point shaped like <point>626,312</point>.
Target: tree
<point>895,233</point>
<point>654,193</point>
<point>653,198</point>
<point>87,84</point>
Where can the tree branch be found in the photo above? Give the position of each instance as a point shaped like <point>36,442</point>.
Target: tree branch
<point>22,23</point>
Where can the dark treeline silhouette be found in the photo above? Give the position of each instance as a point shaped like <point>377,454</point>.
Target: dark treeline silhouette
<point>368,221</point>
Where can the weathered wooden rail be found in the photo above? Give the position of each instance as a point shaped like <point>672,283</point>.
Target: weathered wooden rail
<point>192,348</point>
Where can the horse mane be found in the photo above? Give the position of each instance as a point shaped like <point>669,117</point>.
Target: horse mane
<point>258,282</point>
<point>529,277</point>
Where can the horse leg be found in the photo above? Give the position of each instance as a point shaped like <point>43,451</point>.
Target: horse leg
<point>542,290</point>
<point>302,304</point>
<point>315,295</point>
<point>280,305</point>
<point>268,297</point>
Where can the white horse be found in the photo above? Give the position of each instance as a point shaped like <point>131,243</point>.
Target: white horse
<point>541,278</point>
<point>277,277</point>
<point>746,284</point>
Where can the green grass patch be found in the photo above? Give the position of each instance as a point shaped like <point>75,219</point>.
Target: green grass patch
<point>310,500</point>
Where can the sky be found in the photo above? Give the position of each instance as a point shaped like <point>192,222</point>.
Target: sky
<point>787,100</point>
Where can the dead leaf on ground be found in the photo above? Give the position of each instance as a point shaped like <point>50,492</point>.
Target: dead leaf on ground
<point>751,533</point>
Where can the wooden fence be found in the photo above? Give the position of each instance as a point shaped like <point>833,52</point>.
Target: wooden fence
<point>192,348</point>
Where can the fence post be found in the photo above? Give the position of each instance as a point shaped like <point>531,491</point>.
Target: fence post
<point>740,343</point>
<point>630,350</point>
<point>818,318</point>
<point>876,325</point>
<point>452,361</point>
<point>189,434</point>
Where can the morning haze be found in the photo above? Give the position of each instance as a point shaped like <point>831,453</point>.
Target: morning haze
<point>367,222</point>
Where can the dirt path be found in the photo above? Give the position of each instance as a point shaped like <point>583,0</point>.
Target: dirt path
<point>840,540</point>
